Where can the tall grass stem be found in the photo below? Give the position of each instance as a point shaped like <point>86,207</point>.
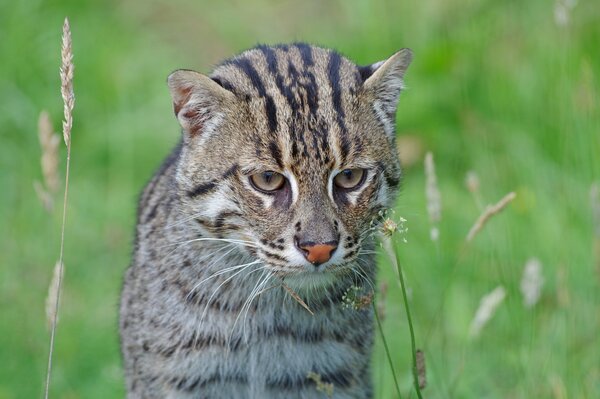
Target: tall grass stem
<point>387,350</point>
<point>392,251</point>
<point>66,75</point>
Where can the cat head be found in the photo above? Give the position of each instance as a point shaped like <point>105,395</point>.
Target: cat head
<point>290,149</point>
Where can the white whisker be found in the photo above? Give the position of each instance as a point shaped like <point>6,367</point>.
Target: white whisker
<point>224,282</point>
<point>226,270</point>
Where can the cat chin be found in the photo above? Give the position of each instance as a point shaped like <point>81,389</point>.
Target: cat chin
<point>310,280</point>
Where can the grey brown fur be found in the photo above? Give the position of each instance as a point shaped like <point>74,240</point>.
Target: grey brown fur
<point>190,327</point>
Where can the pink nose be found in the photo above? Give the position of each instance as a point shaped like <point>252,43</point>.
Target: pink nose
<point>317,253</point>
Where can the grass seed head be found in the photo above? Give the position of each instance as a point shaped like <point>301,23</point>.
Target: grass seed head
<point>532,282</point>
<point>52,297</point>
<point>49,142</point>
<point>421,370</point>
<point>66,79</point>
<point>487,307</point>
<point>490,211</point>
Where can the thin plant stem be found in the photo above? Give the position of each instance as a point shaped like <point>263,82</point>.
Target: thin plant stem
<point>387,351</point>
<point>410,324</point>
<point>60,275</point>
<point>66,74</point>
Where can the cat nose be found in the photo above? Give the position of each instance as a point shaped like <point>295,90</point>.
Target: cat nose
<point>317,253</point>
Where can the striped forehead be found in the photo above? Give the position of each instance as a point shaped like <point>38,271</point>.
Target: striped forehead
<point>300,97</point>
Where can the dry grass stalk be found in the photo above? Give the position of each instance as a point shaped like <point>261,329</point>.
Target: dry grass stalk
<point>433,196</point>
<point>325,387</point>
<point>531,282</point>
<point>490,211</point>
<point>66,77</point>
<point>421,370</point>
<point>487,307</point>
<point>296,297</point>
<point>52,297</point>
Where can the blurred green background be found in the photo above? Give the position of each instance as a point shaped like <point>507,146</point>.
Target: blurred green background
<point>508,89</point>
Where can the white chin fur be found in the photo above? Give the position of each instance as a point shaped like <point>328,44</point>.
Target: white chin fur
<point>309,280</point>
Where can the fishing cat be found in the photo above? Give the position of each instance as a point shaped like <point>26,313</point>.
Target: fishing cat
<point>256,228</point>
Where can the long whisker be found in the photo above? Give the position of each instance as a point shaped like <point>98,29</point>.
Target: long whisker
<point>226,270</point>
<point>258,281</point>
<point>364,275</point>
<point>187,219</point>
<point>256,294</point>
<point>228,240</point>
<point>224,282</point>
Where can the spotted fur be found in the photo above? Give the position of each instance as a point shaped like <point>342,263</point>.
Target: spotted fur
<point>206,308</point>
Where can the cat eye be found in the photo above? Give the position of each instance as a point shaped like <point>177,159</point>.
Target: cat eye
<point>349,178</point>
<point>268,181</point>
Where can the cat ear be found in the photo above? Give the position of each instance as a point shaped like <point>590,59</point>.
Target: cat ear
<point>198,101</point>
<point>384,81</point>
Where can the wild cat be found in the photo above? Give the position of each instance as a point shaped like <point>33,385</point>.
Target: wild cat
<point>258,223</point>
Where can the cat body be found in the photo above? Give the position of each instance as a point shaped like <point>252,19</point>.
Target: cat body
<point>254,231</point>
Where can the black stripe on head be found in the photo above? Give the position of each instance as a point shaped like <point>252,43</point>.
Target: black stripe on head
<point>333,72</point>
<point>210,186</point>
<point>202,189</point>
<point>306,54</point>
<point>271,60</point>
<point>276,153</point>
<point>244,65</point>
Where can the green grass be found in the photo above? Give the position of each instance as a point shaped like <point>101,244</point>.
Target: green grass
<point>495,87</point>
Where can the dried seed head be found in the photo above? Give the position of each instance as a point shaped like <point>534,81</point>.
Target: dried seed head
<point>421,371</point>
<point>531,282</point>
<point>53,295</point>
<point>49,142</point>
<point>490,211</point>
<point>44,196</point>
<point>66,79</point>
<point>487,307</point>
<point>472,181</point>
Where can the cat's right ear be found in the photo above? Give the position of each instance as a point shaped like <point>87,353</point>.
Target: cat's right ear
<point>198,101</point>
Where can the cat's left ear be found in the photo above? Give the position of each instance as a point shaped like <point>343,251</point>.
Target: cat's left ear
<point>384,81</point>
<point>198,101</point>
